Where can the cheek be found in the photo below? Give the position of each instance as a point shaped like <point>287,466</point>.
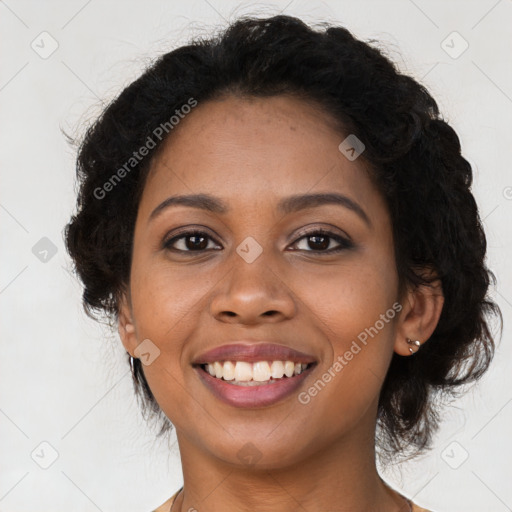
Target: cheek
<point>349,298</point>
<point>355,309</point>
<point>170,302</point>
<point>165,300</point>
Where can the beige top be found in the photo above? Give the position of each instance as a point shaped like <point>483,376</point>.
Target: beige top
<point>166,507</point>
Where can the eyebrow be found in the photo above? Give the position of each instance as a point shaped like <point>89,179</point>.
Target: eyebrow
<point>286,206</point>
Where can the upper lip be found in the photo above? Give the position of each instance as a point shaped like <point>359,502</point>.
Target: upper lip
<point>252,353</point>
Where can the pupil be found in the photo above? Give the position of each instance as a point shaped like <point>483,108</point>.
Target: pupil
<point>196,245</point>
<point>323,245</point>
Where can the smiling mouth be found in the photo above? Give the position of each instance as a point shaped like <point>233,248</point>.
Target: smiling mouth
<point>260,373</point>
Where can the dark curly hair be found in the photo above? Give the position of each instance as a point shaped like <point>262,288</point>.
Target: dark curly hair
<point>414,157</point>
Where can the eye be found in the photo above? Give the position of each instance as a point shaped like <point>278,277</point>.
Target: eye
<point>320,240</point>
<point>190,241</point>
<point>198,241</point>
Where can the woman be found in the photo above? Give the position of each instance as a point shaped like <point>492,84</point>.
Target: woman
<point>281,227</point>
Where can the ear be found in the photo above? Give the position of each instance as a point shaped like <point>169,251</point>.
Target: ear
<point>418,319</point>
<point>126,326</point>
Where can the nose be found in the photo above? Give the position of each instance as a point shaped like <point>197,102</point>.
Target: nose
<point>252,293</point>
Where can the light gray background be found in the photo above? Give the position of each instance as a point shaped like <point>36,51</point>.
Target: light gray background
<point>63,378</point>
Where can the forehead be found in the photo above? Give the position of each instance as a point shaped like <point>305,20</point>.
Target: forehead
<point>253,150</point>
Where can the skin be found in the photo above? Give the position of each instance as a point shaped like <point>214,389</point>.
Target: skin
<point>251,153</point>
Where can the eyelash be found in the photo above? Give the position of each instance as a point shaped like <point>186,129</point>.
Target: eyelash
<point>344,242</point>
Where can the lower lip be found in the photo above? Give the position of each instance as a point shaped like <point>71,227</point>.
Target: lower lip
<point>252,396</point>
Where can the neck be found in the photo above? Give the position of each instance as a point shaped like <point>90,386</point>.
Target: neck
<point>342,476</point>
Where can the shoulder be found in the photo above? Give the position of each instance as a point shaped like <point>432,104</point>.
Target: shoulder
<point>166,507</point>
<point>416,508</point>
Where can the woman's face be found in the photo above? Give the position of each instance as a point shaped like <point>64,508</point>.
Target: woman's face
<point>253,276</point>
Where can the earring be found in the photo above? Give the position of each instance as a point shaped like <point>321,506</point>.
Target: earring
<point>416,343</point>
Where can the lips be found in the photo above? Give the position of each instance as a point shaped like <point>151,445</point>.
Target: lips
<point>265,393</point>
<point>252,397</point>
<point>252,353</point>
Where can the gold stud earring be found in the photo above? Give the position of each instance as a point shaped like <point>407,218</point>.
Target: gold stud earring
<point>415,343</point>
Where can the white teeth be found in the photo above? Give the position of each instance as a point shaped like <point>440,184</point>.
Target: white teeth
<point>289,368</point>
<point>261,371</point>
<point>218,369</point>
<point>253,373</point>
<point>277,369</point>
<point>228,371</point>
<point>243,371</point>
